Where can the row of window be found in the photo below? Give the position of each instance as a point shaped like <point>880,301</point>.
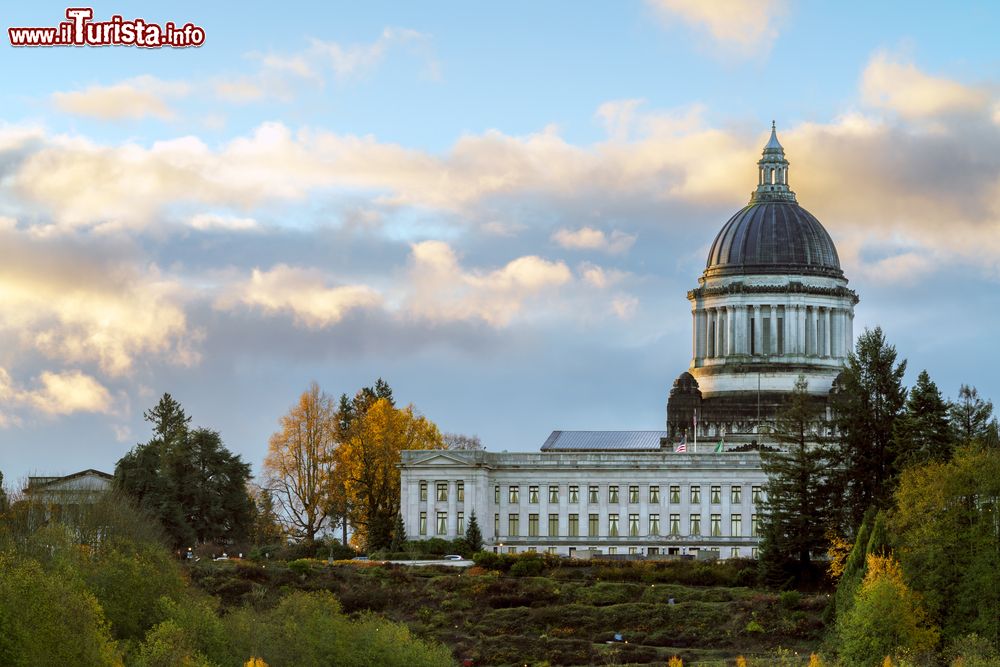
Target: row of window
<point>653,496</point>
<point>614,495</point>
<point>734,552</point>
<point>593,525</point>
<point>442,523</point>
<point>442,491</point>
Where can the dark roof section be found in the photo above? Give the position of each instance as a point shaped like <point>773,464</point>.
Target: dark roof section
<point>776,238</point>
<point>604,441</point>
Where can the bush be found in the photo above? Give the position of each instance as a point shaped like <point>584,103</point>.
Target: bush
<point>49,618</point>
<point>790,599</point>
<point>129,580</point>
<point>527,567</point>
<point>310,630</point>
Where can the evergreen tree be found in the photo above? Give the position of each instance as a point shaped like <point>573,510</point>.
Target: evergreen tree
<point>219,506</point>
<point>970,416</point>
<point>878,542</point>
<point>868,399</point>
<point>3,496</point>
<point>799,506</point>
<point>170,423</point>
<point>187,479</point>
<point>266,525</point>
<point>473,536</point>
<point>398,535</point>
<point>923,432</point>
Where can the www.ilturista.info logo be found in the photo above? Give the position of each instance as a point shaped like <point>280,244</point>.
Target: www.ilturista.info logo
<point>80,30</point>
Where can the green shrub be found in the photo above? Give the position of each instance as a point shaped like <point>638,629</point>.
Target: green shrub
<point>167,645</point>
<point>129,580</point>
<point>49,618</point>
<point>305,565</point>
<point>309,630</point>
<point>790,599</point>
<point>527,567</point>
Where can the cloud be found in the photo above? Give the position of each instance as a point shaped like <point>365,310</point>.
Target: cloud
<point>866,175</point>
<point>303,293</point>
<point>80,303</point>
<point>359,59</point>
<point>209,222</point>
<point>900,86</point>
<point>588,238</point>
<point>618,117</point>
<point>441,289</point>
<point>742,27</point>
<point>279,74</point>
<point>624,306</point>
<point>132,99</point>
<point>599,277</point>
<point>60,393</point>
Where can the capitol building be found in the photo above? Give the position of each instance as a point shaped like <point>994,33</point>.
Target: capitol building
<point>772,305</point>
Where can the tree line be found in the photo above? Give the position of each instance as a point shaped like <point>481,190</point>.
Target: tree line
<point>330,468</point>
<point>895,502</point>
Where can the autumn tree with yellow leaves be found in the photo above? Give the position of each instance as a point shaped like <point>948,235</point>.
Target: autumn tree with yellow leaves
<point>300,463</point>
<point>367,456</point>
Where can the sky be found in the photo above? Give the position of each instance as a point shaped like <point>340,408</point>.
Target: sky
<point>496,207</point>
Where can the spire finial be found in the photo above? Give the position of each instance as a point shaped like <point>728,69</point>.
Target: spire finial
<point>772,172</point>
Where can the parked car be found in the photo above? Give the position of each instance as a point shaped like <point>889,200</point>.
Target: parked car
<point>360,558</point>
<point>453,557</point>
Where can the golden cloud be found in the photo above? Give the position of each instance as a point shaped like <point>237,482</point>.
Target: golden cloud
<point>303,293</point>
<point>127,100</point>
<point>59,302</point>
<point>735,25</point>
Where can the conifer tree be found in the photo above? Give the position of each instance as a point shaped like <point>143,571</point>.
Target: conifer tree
<point>473,536</point>
<point>187,479</point>
<point>868,399</point>
<point>970,415</point>
<point>398,535</point>
<point>923,432</point>
<point>799,506</point>
<point>3,496</point>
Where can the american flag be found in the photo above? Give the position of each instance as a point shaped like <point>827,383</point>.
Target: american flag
<point>681,448</point>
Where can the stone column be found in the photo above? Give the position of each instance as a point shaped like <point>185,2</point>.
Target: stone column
<point>810,339</point>
<point>452,510</point>
<point>694,336</point>
<point>730,330</point>
<point>785,329</point>
<point>773,347</point>
<point>827,343</point>
<point>850,330</point>
<point>718,332</point>
<point>836,333</point>
<point>817,333</point>
<point>723,330</point>
<point>757,338</point>
<point>702,335</point>
<point>813,331</point>
<point>800,330</point>
<point>709,333</point>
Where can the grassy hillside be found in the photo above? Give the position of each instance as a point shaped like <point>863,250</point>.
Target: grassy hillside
<point>568,615</point>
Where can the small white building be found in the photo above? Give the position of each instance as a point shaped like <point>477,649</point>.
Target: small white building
<point>64,495</point>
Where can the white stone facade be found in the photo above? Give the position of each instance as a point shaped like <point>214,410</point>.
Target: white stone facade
<point>617,502</point>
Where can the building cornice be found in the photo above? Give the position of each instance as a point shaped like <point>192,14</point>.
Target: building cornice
<point>793,287</point>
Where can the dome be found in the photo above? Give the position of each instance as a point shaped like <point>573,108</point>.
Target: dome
<point>773,234</point>
<point>773,237</point>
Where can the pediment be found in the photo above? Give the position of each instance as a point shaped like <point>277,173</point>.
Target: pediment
<point>438,458</point>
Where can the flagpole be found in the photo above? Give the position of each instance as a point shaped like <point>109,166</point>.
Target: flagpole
<point>696,430</point>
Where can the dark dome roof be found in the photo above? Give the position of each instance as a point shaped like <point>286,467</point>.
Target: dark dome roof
<point>773,237</point>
